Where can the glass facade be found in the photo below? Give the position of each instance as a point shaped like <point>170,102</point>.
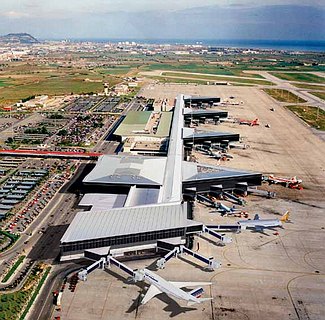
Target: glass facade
<point>122,240</point>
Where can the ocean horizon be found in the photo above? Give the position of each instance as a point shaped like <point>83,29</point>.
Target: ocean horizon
<point>290,45</point>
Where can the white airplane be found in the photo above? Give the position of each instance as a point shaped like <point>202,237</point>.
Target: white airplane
<point>160,285</point>
<point>260,224</point>
<point>223,209</point>
<point>292,183</point>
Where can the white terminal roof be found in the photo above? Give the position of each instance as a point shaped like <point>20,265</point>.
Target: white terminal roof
<point>172,190</point>
<point>103,201</point>
<point>123,221</point>
<point>133,170</point>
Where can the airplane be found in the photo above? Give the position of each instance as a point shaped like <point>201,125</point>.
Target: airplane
<point>229,120</point>
<point>260,224</point>
<point>249,122</point>
<point>220,155</point>
<point>159,285</point>
<point>292,183</point>
<point>223,209</point>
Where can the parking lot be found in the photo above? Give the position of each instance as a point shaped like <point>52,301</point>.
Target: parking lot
<point>30,189</point>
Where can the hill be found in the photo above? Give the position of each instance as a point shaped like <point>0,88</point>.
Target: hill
<point>18,38</point>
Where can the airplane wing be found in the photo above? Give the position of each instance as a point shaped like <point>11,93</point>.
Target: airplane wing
<point>152,292</point>
<point>189,284</point>
<point>259,228</point>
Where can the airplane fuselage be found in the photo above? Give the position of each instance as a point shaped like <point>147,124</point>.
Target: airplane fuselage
<point>165,286</point>
<point>265,223</point>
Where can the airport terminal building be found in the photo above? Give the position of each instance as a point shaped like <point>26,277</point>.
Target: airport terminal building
<point>149,198</point>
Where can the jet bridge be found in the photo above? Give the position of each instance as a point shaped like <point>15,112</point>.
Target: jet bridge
<point>232,197</point>
<point>217,235</point>
<point>82,275</point>
<point>231,227</point>
<point>121,266</point>
<point>212,263</point>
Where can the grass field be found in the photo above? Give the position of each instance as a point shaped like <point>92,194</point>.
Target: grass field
<point>315,117</point>
<point>119,69</point>
<point>34,296</point>
<point>214,78</point>
<point>319,94</point>
<point>200,68</point>
<point>13,269</point>
<point>3,83</point>
<point>171,80</point>
<point>309,86</point>
<point>301,77</point>
<point>51,86</point>
<point>12,304</point>
<point>284,96</point>
<point>23,80</point>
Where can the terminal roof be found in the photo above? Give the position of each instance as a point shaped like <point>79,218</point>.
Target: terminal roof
<point>125,221</point>
<point>131,170</point>
<point>194,171</point>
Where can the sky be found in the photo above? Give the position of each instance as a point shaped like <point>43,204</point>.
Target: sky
<point>165,19</point>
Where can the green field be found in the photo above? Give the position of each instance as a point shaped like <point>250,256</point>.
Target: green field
<point>301,77</point>
<point>35,293</point>
<point>201,68</point>
<point>119,69</point>
<point>2,83</point>
<point>309,86</point>
<point>175,80</point>
<point>13,269</point>
<point>284,96</point>
<point>214,78</point>
<point>11,304</point>
<point>318,94</point>
<point>51,86</point>
<point>25,80</point>
<point>315,117</point>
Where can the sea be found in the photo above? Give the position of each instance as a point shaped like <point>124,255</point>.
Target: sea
<point>288,45</point>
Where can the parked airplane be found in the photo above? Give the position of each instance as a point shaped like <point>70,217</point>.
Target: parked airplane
<point>292,183</point>
<point>261,224</point>
<point>249,122</point>
<point>160,285</point>
<point>223,209</point>
<point>220,155</point>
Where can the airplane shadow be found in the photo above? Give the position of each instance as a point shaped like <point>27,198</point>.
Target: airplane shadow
<point>173,307</point>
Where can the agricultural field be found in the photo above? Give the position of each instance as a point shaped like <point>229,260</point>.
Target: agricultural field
<point>315,117</point>
<point>300,77</point>
<point>284,96</point>
<point>25,83</point>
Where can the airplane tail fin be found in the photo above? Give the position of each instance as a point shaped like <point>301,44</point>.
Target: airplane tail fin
<point>197,292</point>
<point>285,217</point>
